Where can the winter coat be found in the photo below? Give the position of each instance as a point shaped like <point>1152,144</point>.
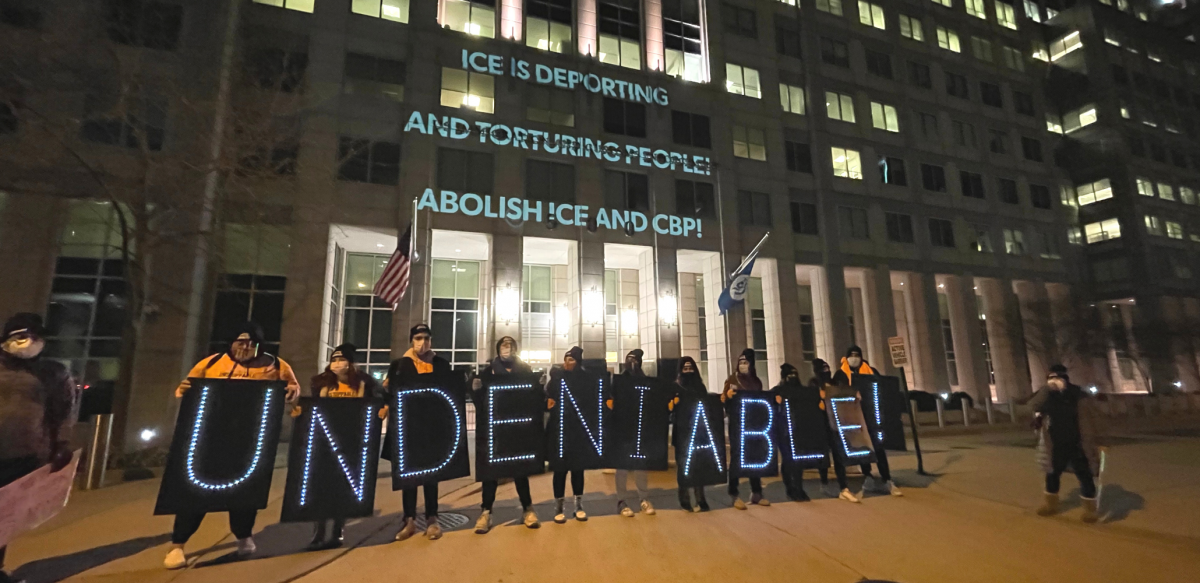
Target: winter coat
<point>360,384</point>
<point>1044,401</point>
<point>265,367</point>
<point>401,371</point>
<point>845,376</point>
<point>37,408</point>
<point>497,369</point>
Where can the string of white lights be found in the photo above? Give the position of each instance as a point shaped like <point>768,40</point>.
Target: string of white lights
<point>641,407</point>
<point>701,415</point>
<point>198,425</point>
<point>843,428</point>
<point>458,425</point>
<point>765,433</point>
<point>318,419</point>
<point>597,439</point>
<point>493,422</point>
<point>787,410</point>
<point>878,414</point>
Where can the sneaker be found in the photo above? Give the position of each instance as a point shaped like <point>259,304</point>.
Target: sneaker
<point>246,547</point>
<point>893,489</point>
<point>409,529</point>
<point>434,531</point>
<point>531,519</point>
<point>759,500</point>
<point>848,496</point>
<point>737,503</point>
<point>484,524</point>
<point>625,510</point>
<point>175,559</point>
<point>648,508</point>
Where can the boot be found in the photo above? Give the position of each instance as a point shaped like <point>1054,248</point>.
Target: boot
<point>701,500</point>
<point>409,529</point>
<point>1049,505</point>
<point>685,500</point>
<point>531,519</point>
<point>318,540</point>
<point>484,524</point>
<point>434,531</point>
<point>757,499</point>
<point>1089,510</point>
<point>560,517</point>
<point>580,515</point>
<point>335,537</point>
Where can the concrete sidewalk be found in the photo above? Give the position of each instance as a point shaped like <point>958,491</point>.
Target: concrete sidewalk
<point>973,521</point>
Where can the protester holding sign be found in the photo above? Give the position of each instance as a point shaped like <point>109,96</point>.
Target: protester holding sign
<point>37,400</point>
<point>633,368</point>
<point>745,379</point>
<point>418,360</point>
<point>808,405</point>
<point>853,365</point>
<point>341,380</point>
<point>572,361</point>
<point>822,378</point>
<point>689,383</point>
<point>505,363</point>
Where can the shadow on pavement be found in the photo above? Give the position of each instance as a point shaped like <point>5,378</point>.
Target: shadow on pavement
<point>1116,503</point>
<point>62,567</point>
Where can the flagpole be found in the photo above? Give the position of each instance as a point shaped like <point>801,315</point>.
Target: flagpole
<point>753,253</point>
<point>721,228</point>
<point>412,254</point>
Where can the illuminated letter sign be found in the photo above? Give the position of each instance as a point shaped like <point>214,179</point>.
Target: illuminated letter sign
<point>580,444</point>
<point>883,407</point>
<point>332,464</point>
<point>223,450</point>
<point>428,432</point>
<point>508,427</point>
<point>699,441</point>
<point>750,421</point>
<point>638,424</point>
<point>853,439</point>
<point>802,430</point>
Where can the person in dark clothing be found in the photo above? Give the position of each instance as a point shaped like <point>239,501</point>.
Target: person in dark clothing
<point>809,398</point>
<point>853,365</point>
<point>744,379</point>
<point>573,360</point>
<point>506,363</point>
<point>689,383</point>
<point>418,360</point>
<point>1069,428</point>
<point>822,379</point>
<point>37,406</point>
<point>633,368</point>
<point>340,380</point>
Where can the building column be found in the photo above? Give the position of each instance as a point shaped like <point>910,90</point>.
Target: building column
<point>926,324</point>
<point>787,316</point>
<point>591,281</point>
<point>655,53</point>
<point>968,338</point>
<point>1040,344</point>
<point>587,28</point>
<point>880,315</point>
<point>507,263</point>
<point>773,320</point>
<point>1004,334</point>
<point>830,318</point>
<point>716,325</point>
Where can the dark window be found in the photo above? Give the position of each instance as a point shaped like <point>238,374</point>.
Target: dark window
<point>554,10</point>
<point>956,86</point>
<point>21,14</point>
<point>145,23</point>
<point>370,75</point>
<point>1157,151</point>
<point>990,94</point>
<point>799,156</point>
<point>691,129</point>
<point>918,74</point>
<point>899,228</point>
<point>1039,196</point>
<point>1032,148</point>
<point>621,18</point>
<point>1008,191</point>
<point>1141,82</point>
<point>624,117</point>
<point>1181,95</point>
<point>274,154</point>
<point>929,125</point>
<point>695,199</point>
<point>367,161</point>
<point>754,208</point>
<point>739,21</point>
<point>681,25</point>
<point>804,219</point>
<point>1177,158</point>
<point>8,119</point>
<point>892,171</point>
<point>1119,75</point>
<point>140,119</point>
<point>964,134</point>
<point>879,64</point>
<point>941,233</point>
<point>933,177</point>
<point>548,181</point>
<point>626,191</point>
<point>277,69</point>
<point>242,297</point>
<point>1023,103</point>
<point>787,36</point>
<point>972,185</point>
<point>853,223</point>
<point>464,171</point>
<point>1136,146</point>
<point>835,52</point>
<point>998,142</point>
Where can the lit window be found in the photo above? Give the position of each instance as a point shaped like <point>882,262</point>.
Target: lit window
<point>1111,38</point>
<point>1145,187</point>
<point>846,163</point>
<point>1066,194</point>
<point>548,25</point>
<point>1153,57</point>
<point>1123,5</point>
<point>883,117</point>
<point>620,33</point>
<point>396,10</point>
<point>1187,195</point>
<point>840,107</point>
<point>1165,191</point>
<point>681,40</point>
<point>1013,59</point>
<point>1102,231</point>
<point>297,5</point>
<point>1006,16</point>
<point>749,143</point>
<point>463,89</point>
<point>1075,236</point>
<point>1040,52</point>
<point>792,98</point>
<point>831,6</point>
<point>946,3</point>
<point>948,39</point>
<point>741,80</point>
<point>911,28</point>
<point>1125,112</point>
<point>1154,226</point>
<point>1065,45</point>
<point>871,15</point>
<point>1174,230</point>
<point>1080,118</point>
<point>1095,192</point>
<point>977,9</point>
<point>1032,12</point>
<point>1014,242</point>
<point>1054,124</point>
<point>474,18</point>
<point>1143,15</point>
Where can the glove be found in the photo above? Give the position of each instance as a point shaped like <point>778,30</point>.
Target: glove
<point>295,412</point>
<point>292,393</point>
<point>779,399</point>
<point>549,404</point>
<point>476,384</point>
<point>608,404</point>
<point>383,412</point>
<point>671,404</point>
<point>61,458</point>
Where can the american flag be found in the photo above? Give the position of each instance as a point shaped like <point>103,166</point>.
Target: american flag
<point>393,282</point>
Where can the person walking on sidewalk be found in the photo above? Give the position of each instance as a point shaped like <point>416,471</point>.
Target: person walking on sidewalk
<point>633,368</point>
<point>243,360</point>
<point>341,380</point>
<point>37,406</point>
<point>744,379</point>
<point>821,382</point>
<point>854,365</point>
<point>505,363</point>
<point>573,360</point>
<point>689,383</point>
<point>1069,428</point>
<point>418,360</point>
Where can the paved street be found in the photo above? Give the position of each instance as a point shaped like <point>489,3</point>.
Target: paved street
<point>972,521</point>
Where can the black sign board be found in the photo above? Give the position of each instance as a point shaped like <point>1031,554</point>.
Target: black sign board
<point>427,430</point>
<point>638,422</point>
<point>851,440</point>
<point>700,441</point>
<point>883,406</point>
<point>333,460</point>
<point>578,421</point>
<point>509,440</point>
<point>223,450</point>
<point>801,430</point>
<point>751,435</point>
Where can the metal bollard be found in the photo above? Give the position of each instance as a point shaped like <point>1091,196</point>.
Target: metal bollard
<point>966,413</point>
<point>97,462</point>
<point>941,411</point>
<point>987,407</point>
<point>1012,411</point>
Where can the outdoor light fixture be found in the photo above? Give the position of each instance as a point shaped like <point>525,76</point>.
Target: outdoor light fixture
<point>1094,389</point>
<point>593,307</point>
<point>1178,384</point>
<point>148,434</point>
<point>629,322</point>
<point>562,320</point>
<point>945,396</point>
<point>668,307</point>
<point>508,304</point>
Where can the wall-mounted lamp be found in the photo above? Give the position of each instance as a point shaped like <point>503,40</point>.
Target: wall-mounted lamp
<point>668,308</point>
<point>562,320</point>
<point>629,322</point>
<point>593,307</point>
<point>508,305</point>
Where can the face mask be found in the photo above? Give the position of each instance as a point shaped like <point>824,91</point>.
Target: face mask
<point>854,361</point>
<point>743,367</point>
<point>244,351</point>
<point>24,348</point>
<point>339,367</point>
<point>506,351</point>
<point>569,364</point>
<point>1056,383</point>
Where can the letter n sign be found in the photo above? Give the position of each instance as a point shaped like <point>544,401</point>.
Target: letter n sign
<point>223,450</point>
<point>333,460</point>
<point>427,431</point>
<point>578,421</point>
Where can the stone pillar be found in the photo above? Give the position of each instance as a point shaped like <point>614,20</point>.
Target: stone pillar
<point>689,316</point>
<point>655,55</point>
<point>782,277</point>
<point>591,278</point>
<point>773,320</point>
<point>925,322</point>
<point>511,19</point>
<point>1180,329</point>
<point>858,323</point>
<point>1040,344</point>
<point>506,263</point>
<point>1007,341</point>
<point>968,338</point>
<point>829,303</point>
<point>587,28</point>
<point>880,316</point>
<point>716,325</point>
<point>669,341</point>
